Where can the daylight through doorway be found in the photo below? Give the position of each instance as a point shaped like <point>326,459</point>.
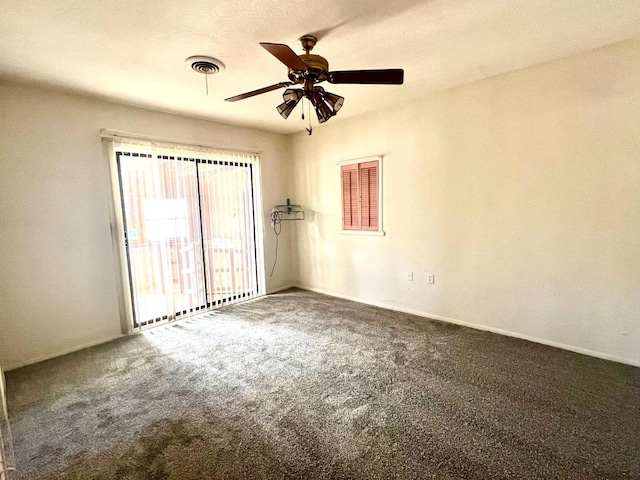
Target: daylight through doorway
<point>189,228</point>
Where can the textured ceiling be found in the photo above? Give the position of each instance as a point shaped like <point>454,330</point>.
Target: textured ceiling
<point>134,52</point>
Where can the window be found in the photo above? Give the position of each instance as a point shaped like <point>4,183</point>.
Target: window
<point>361,205</point>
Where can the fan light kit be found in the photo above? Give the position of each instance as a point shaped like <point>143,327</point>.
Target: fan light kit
<point>308,70</point>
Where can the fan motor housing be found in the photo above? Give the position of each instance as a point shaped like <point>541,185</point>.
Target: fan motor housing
<point>317,67</point>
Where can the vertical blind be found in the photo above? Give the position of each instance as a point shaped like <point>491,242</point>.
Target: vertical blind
<point>190,232</point>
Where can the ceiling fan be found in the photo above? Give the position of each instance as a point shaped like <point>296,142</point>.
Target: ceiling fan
<point>308,70</point>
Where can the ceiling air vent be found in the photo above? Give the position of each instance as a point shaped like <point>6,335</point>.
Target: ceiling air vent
<point>206,65</point>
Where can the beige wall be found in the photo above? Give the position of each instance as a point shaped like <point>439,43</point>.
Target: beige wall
<point>521,193</point>
<point>59,277</point>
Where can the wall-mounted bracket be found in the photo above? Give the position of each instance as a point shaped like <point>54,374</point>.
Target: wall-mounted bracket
<point>289,211</point>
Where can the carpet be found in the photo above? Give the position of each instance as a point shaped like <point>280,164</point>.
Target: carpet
<point>299,385</point>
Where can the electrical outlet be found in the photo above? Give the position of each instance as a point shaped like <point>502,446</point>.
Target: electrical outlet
<point>431,278</point>
<point>410,277</point>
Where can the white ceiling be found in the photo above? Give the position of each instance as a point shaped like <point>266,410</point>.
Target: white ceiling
<point>134,51</point>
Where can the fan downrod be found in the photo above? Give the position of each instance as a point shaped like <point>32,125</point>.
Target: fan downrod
<point>307,42</point>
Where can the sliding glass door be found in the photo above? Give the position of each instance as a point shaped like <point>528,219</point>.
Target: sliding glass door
<point>190,233</point>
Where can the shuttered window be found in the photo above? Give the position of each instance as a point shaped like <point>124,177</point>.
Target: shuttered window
<point>350,213</point>
<point>360,196</point>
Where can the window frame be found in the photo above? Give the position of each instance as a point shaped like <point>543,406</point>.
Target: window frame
<point>358,161</point>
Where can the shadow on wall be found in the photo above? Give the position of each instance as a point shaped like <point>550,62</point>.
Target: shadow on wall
<point>308,238</point>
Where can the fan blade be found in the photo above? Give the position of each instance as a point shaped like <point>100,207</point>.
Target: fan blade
<point>285,55</point>
<point>394,76</point>
<point>258,92</point>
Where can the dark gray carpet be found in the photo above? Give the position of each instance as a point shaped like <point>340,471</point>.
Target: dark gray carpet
<point>301,385</point>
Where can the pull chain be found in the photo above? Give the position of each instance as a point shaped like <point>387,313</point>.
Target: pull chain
<point>310,129</point>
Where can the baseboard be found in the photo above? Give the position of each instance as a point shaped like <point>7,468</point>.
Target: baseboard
<point>433,316</point>
<point>281,289</point>
<point>476,326</point>
<point>82,346</point>
<point>59,353</point>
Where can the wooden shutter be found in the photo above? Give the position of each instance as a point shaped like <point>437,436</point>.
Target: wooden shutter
<point>350,211</point>
<point>369,195</point>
